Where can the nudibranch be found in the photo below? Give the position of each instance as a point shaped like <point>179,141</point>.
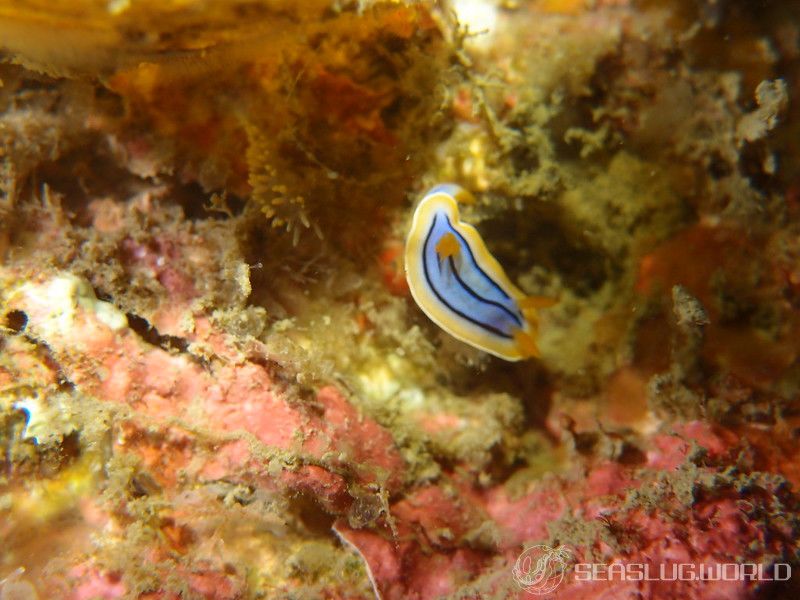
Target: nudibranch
<point>461,286</point>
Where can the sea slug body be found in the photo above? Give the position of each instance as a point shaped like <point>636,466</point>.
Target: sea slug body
<point>461,286</point>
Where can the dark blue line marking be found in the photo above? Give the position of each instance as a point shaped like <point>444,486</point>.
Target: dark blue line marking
<point>478,297</point>
<point>485,326</point>
<point>475,262</point>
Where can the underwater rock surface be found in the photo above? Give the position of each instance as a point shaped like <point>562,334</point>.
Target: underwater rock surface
<point>215,383</point>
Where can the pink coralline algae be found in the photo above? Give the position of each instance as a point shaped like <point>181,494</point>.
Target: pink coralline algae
<point>243,430</point>
<point>698,495</point>
<point>688,504</point>
<point>236,399</point>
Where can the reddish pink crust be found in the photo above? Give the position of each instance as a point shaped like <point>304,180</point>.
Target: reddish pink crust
<point>225,419</point>
<point>713,529</point>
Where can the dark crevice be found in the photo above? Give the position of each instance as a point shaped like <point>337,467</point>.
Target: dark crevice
<point>169,343</point>
<point>150,334</point>
<point>142,484</point>
<point>48,358</point>
<point>286,382</point>
<point>16,321</point>
<point>549,245</point>
<point>197,206</point>
<point>312,514</point>
<point>82,173</point>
